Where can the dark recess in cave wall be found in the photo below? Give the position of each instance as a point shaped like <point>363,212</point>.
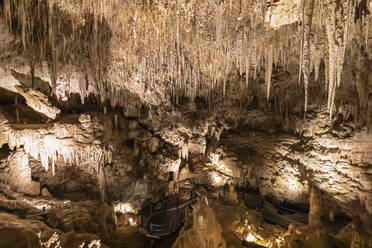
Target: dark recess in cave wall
<point>4,151</point>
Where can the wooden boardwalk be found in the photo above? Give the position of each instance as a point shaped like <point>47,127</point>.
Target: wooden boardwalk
<point>273,213</point>
<point>167,216</point>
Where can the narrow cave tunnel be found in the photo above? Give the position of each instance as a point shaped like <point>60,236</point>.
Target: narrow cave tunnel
<point>185,124</point>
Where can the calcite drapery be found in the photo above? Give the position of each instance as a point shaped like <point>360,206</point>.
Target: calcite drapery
<point>74,143</point>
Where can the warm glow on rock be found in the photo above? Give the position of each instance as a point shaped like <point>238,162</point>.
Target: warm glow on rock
<point>279,240</point>
<point>124,208</point>
<point>216,179</point>
<point>250,237</point>
<point>331,180</point>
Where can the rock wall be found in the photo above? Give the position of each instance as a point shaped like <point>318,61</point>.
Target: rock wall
<point>34,233</point>
<point>332,156</point>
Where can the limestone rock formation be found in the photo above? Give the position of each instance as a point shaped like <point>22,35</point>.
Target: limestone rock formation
<point>107,107</point>
<point>333,158</point>
<point>22,232</point>
<point>205,231</point>
<point>233,196</point>
<point>315,208</point>
<point>17,173</point>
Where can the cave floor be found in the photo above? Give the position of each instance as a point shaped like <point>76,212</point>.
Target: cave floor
<point>130,237</point>
<point>26,210</point>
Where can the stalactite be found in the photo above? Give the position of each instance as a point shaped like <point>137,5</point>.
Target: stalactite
<point>302,42</point>
<point>8,13</point>
<point>247,70</point>
<point>337,24</point>
<point>269,69</point>
<point>367,32</point>
<point>176,44</point>
<point>58,140</point>
<point>326,74</point>
<point>23,24</point>
<point>307,22</point>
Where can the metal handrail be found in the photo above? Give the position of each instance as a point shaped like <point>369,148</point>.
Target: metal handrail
<point>174,223</point>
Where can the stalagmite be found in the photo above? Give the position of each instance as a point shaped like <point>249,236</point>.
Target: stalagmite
<point>184,151</point>
<point>233,196</point>
<point>315,208</point>
<point>205,231</point>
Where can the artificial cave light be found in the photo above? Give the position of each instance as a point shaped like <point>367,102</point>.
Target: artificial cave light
<point>331,180</point>
<point>251,238</point>
<point>279,240</point>
<point>216,178</point>
<point>124,208</point>
<point>214,157</point>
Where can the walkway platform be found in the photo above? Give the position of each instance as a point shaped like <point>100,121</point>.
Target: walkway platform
<point>167,216</point>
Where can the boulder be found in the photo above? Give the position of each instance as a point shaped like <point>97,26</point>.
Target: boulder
<point>45,192</point>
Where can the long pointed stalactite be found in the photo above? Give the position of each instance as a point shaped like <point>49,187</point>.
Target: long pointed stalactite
<point>188,48</point>
<point>337,22</point>
<point>307,22</point>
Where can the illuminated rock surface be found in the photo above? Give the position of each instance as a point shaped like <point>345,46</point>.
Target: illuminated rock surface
<point>108,105</point>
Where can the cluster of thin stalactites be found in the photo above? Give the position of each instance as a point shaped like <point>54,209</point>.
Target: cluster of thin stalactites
<point>191,46</point>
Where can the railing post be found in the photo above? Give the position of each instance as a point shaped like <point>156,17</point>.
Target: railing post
<point>170,225</point>
<point>150,228</point>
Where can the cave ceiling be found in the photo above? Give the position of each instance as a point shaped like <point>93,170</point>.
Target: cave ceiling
<point>163,50</point>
